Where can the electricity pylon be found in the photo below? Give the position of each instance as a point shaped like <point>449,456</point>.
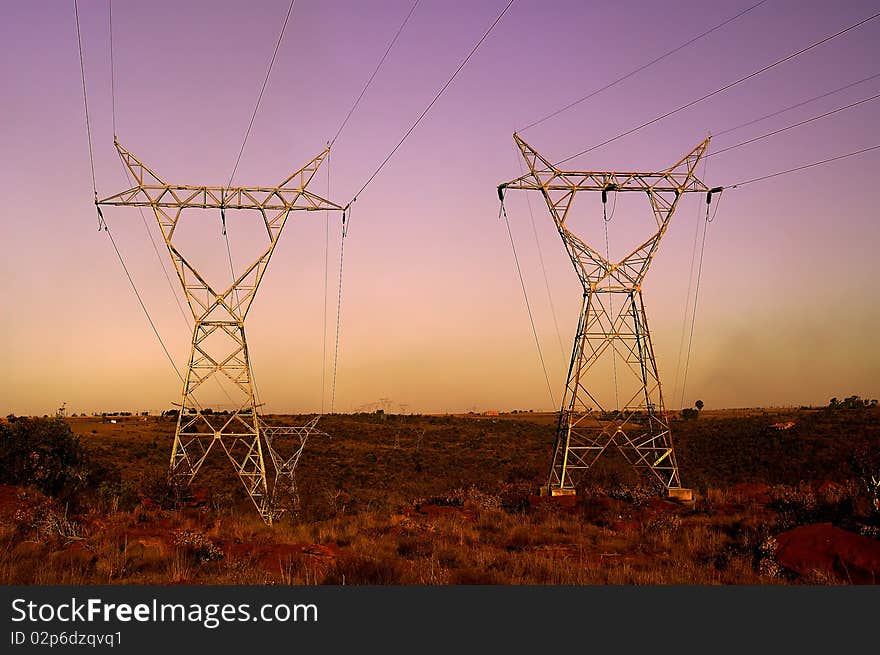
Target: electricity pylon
<point>639,427</point>
<point>219,346</point>
<point>285,464</point>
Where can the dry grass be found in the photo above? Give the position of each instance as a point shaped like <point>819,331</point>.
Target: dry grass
<point>436,500</point>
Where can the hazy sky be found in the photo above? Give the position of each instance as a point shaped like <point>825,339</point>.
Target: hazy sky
<point>433,316</point>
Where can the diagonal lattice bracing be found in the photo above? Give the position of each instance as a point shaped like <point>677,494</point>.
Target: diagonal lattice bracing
<point>219,352</point>
<point>612,323</point>
<point>286,445</point>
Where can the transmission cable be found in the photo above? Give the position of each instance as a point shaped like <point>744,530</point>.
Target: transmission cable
<point>503,212</point>
<point>434,100</point>
<point>687,303</point>
<point>345,226</point>
<point>101,222</point>
<point>687,361</point>
<point>641,68</point>
<point>543,269</point>
<point>727,86</point>
<point>800,168</point>
<point>247,134</point>
<point>375,72</point>
<point>262,89</point>
<point>82,69</point>
<point>798,124</point>
<point>326,278</point>
<point>238,160</point>
<point>610,311</point>
<point>112,67</point>
<point>795,106</point>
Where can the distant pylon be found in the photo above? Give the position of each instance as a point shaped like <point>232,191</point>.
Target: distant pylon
<point>219,346</point>
<point>638,427</point>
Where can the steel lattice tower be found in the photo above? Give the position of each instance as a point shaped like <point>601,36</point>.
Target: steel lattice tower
<point>612,321</point>
<point>219,345</point>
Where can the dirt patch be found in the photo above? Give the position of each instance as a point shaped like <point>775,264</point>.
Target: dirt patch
<point>429,509</point>
<point>272,557</point>
<point>568,501</point>
<point>823,548</point>
<point>754,492</point>
<point>9,501</point>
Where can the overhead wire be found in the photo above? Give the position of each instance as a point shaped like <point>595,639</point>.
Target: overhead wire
<point>503,212</point>
<point>610,311</point>
<point>687,304</point>
<point>543,270</point>
<point>82,68</point>
<point>102,223</point>
<point>338,310</point>
<point>346,214</point>
<point>642,67</point>
<point>247,134</point>
<point>798,124</point>
<point>800,168</point>
<point>433,101</point>
<point>697,295</point>
<point>141,301</point>
<point>375,72</point>
<point>238,161</point>
<point>795,106</point>
<point>112,66</point>
<point>345,230</point>
<point>721,89</point>
<point>262,90</point>
<point>326,278</point>
<point>184,316</point>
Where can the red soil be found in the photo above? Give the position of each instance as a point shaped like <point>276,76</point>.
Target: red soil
<point>824,548</point>
<point>445,510</point>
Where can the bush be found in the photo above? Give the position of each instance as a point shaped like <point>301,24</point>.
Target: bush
<point>44,453</point>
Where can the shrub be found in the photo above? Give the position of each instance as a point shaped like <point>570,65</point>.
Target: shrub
<point>44,453</point>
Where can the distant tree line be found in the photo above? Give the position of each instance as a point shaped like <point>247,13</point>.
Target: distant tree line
<point>852,402</point>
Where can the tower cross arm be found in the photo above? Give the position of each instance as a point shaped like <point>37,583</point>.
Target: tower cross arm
<point>607,181</point>
<point>545,176</point>
<point>215,197</point>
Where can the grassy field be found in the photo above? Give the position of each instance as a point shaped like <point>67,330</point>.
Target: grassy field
<point>393,499</point>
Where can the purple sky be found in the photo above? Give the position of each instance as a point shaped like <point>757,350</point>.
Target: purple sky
<point>433,316</point>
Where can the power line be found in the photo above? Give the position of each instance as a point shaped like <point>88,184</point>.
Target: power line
<point>102,222</point>
<point>326,277</point>
<point>730,85</point>
<point>238,160</point>
<point>795,106</point>
<point>140,300</point>
<point>528,305</point>
<point>798,124</point>
<point>543,270</point>
<point>610,312</point>
<point>82,70</point>
<point>128,180</point>
<point>641,68</point>
<point>690,287</point>
<point>800,168</point>
<point>183,314</point>
<point>687,361</point>
<point>262,89</point>
<point>375,72</point>
<point>338,312</point>
<point>435,99</point>
<point>112,67</point>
